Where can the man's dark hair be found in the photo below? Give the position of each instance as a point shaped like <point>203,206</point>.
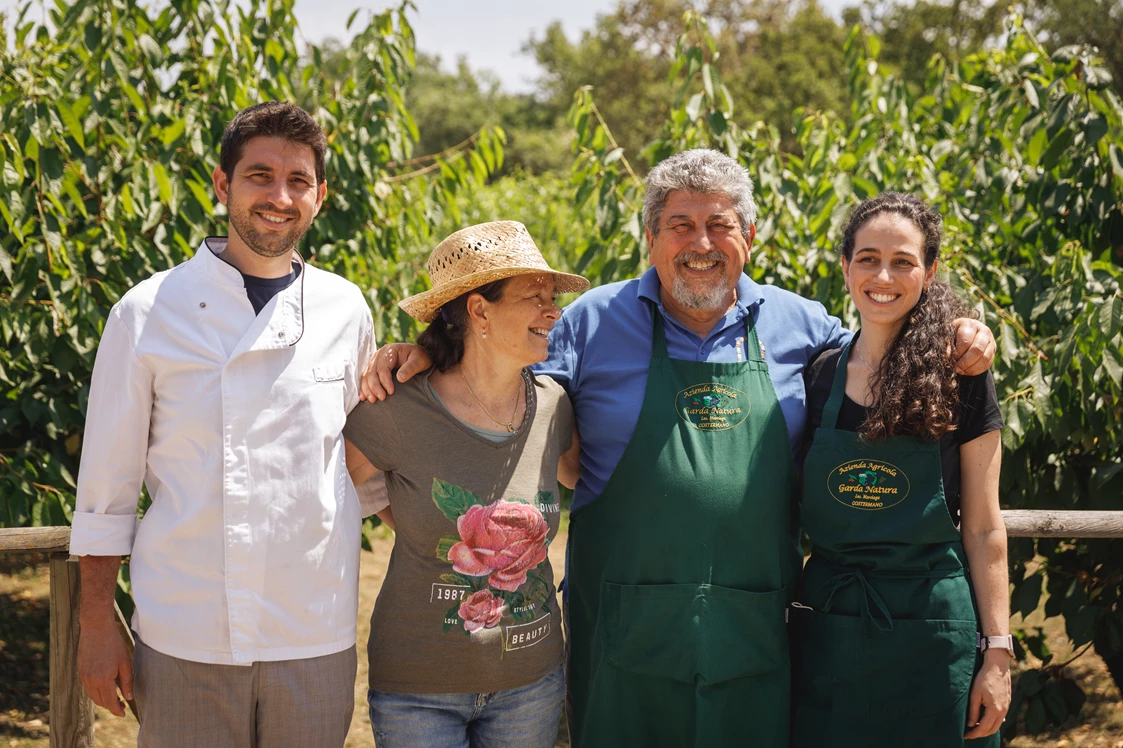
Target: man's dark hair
<point>272,119</point>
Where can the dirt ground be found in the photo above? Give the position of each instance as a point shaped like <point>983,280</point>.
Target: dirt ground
<point>24,616</point>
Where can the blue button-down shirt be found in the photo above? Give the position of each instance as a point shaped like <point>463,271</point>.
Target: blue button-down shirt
<point>600,350</point>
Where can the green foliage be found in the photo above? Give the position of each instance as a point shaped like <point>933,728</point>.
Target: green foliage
<point>451,107</point>
<point>1022,153</point>
<point>110,121</point>
<point>1098,23</point>
<point>913,32</point>
<point>110,117</point>
<point>775,55</point>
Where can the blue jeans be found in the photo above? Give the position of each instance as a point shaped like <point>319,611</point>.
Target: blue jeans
<point>524,717</point>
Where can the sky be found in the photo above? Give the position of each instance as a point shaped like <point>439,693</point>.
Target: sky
<point>490,33</point>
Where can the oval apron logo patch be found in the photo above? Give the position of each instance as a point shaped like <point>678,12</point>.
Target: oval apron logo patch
<point>868,484</point>
<point>710,406</point>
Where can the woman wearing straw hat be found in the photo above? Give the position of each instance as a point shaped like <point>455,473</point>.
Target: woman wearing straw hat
<point>465,645</point>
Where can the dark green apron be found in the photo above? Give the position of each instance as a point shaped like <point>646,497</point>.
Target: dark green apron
<point>680,571</point>
<point>887,651</point>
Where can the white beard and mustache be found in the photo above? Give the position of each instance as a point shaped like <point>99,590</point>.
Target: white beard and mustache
<point>691,294</point>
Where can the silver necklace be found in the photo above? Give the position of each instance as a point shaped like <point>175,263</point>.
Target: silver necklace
<point>863,360</point>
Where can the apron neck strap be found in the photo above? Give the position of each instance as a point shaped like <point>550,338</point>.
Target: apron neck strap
<point>753,351</point>
<point>838,389</point>
<point>659,336</point>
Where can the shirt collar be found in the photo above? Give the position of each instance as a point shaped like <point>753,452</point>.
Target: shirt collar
<point>748,292</point>
<point>286,324</point>
<point>208,258</point>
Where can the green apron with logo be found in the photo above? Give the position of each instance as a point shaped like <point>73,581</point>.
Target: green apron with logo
<point>680,571</point>
<point>885,649</point>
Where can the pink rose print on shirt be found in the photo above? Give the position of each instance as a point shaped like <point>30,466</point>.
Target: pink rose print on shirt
<point>481,610</point>
<point>503,541</point>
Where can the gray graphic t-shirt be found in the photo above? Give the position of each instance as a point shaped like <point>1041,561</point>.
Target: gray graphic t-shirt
<point>468,605</point>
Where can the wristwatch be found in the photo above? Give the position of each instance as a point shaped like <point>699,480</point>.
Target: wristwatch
<point>995,642</point>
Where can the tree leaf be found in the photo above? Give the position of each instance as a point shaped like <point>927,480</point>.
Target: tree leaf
<point>1111,317</point>
<point>150,48</point>
<point>707,83</point>
<point>1054,700</point>
<point>6,263</point>
<point>1035,715</point>
<point>200,193</point>
<point>1037,145</point>
<point>1027,595</point>
<point>1113,365</point>
<point>92,36</point>
<point>694,107</point>
<point>1057,146</point>
<point>163,183</point>
<point>172,132</point>
<point>1073,695</point>
<point>73,126</point>
<point>1095,127</point>
<point>1116,160</point>
<point>874,46</point>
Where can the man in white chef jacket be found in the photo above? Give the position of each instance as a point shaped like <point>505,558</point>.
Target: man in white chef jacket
<point>223,384</point>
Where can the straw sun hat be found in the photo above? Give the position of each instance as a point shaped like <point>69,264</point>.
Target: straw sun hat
<point>478,255</point>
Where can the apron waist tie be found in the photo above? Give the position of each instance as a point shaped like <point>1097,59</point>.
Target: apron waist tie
<point>838,581</point>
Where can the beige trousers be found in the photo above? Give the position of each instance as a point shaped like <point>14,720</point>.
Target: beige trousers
<point>285,704</point>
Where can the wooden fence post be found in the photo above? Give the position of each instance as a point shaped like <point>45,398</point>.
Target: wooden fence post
<point>72,712</point>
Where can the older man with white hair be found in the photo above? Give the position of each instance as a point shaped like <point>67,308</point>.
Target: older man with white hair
<point>687,385</point>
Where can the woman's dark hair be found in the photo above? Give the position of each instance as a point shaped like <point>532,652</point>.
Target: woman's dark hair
<point>274,119</point>
<point>443,339</point>
<point>915,388</point>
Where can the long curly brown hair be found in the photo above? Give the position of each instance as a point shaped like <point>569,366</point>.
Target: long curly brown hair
<point>915,388</point>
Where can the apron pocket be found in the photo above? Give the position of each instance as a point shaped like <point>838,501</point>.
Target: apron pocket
<point>826,666</point>
<point>921,667</point>
<point>694,633</point>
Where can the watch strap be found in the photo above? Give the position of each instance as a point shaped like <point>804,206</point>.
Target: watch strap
<point>995,642</point>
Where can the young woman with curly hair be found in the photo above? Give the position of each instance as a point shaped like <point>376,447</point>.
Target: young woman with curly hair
<point>903,619</point>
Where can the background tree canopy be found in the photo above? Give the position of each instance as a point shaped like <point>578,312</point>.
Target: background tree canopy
<point>111,114</point>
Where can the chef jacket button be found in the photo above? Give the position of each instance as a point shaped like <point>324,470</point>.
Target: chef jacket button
<point>202,305</point>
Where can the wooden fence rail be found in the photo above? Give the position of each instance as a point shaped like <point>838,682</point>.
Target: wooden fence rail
<point>72,713</point>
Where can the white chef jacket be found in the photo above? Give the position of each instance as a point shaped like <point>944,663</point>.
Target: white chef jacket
<point>250,549</point>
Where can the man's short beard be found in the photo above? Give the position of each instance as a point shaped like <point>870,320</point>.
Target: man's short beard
<point>696,299</point>
<point>689,295</point>
<point>262,244</point>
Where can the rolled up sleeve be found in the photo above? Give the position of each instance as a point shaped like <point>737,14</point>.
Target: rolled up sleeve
<point>114,447</point>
